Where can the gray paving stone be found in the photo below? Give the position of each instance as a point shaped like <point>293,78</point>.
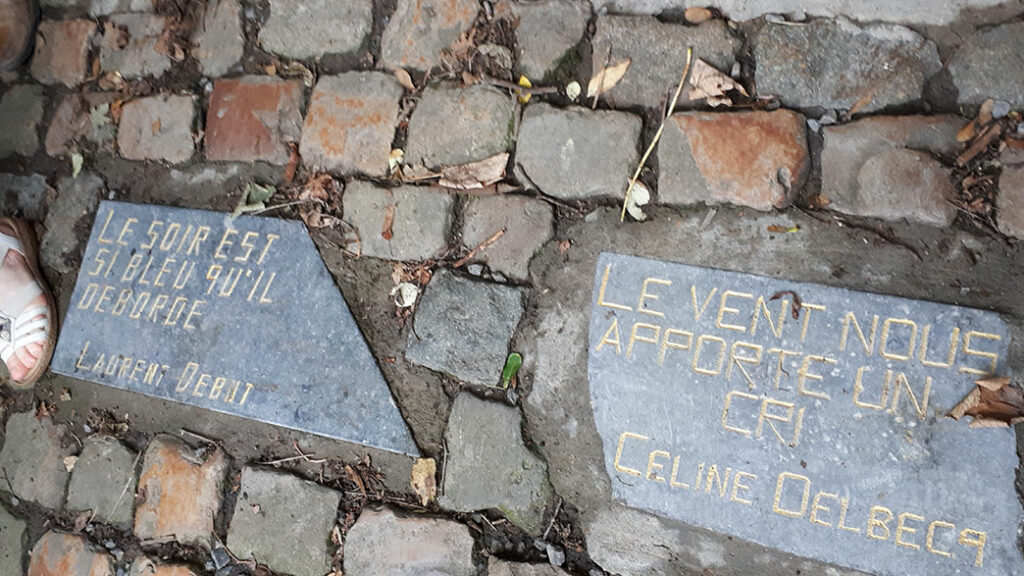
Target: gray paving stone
<point>285,522</point>
<point>528,225</point>
<point>578,153</point>
<point>129,45</point>
<point>103,481</point>
<point>67,555</point>
<point>489,467</point>
<point>900,183</point>
<point>33,460</point>
<point>25,196</point>
<point>836,64</point>
<point>21,111</point>
<point>313,28</point>
<point>497,567</point>
<point>454,125</point>
<point>143,566</point>
<point>62,51</point>
<point>421,219</point>
<point>12,538</point>
<point>218,41</point>
<point>157,128</point>
<point>382,543</point>
<point>657,51</point>
<point>420,30</point>
<point>988,65</point>
<point>463,327</point>
<point>849,147</point>
<point>547,31</point>
<point>107,7</point>
<point>77,199</point>
<point>1010,201</point>
<point>351,122</point>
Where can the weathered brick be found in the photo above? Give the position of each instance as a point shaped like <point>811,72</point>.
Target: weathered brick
<point>62,51</point>
<point>218,42</point>
<point>25,196</point>
<point>147,567</point>
<point>836,64</point>
<point>179,495</point>
<point>454,125</point>
<point>657,52</point>
<point>130,45</point>
<point>57,554</point>
<point>313,28</point>
<point>253,118</point>
<point>528,225</point>
<point>578,153</point>
<point>497,567</point>
<point>351,122</point>
<point>756,159</point>
<point>420,220</point>
<point>33,460</point>
<point>420,30</point>
<point>547,31</point>
<point>897,183</point>
<point>1010,201</point>
<point>157,128</point>
<point>988,65</point>
<point>12,537</point>
<point>76,122</point>
<point>284,521</point>
<point>382,543</point>
<point>103,481</point>
<point>21,111</point>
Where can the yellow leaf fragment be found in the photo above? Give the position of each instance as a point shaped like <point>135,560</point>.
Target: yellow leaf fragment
<point>423,481</point>
<point>697,14</point>
<point>404,79</point>
<point>525,83</point>
<point>475,175</point>
<point>607,78</point>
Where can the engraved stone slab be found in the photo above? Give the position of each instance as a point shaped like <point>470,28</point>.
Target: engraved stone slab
<point>237,315</point>
<point>819,432</point>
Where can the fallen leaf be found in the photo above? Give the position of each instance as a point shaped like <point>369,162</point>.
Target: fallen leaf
<point>563,247</point>
<point>81,521</point>
<point>404,79</point>
<point>76,164</point>
<point>475,175</point>
<point>697,14</point>
<point>254,198</point>
<point>423,481</point>
<point>395,159</point>
<point>707,83</point>
<point>270,69</point>
<point>985,112</point>
<point>512,365</point>
<point>405,294</point>
<point>794,306</point>
<point>776,229</point>
<point>293,163</point>
<point>607,78</point>
<point>862,102</point>
<point>992,403</point>
<point>389,220</point>
<point>525,83</point>
<point>993,384</point>
<point>65,395</point>
<point>573,90</point>
<point>69,463</point>
<point>968,131</point>
<point>155,127</point>
<point>639,196</point>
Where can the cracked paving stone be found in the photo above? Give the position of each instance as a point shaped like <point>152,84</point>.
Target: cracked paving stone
<point>33,460</point>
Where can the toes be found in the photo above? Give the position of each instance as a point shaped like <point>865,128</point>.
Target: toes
<point>26,359</point>
<point>34,350</point>
<point>17,369</point>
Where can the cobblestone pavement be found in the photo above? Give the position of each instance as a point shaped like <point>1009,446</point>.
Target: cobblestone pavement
<point>844,165</point>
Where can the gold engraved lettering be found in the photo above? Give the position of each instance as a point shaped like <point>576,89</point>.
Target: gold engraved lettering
<point>202,233</point>
<point>808,308</point>
<point>929,541</point>
<point>721,355</point>
<point>817,506</point>
<point>735,360</point>
<point>78,363</point>
<point>103,231</point>
<point>270,240</point>
<point>697,313</point>
<point>653,467</point>
<point>126,229</point>
<point>614,328</point>
<point>844,507</point>
<point>765,416</point>
<point>725,412</point>
<point>247,243</point>
<point>201,383</point>
<point>902,528</point>
<point>248,388</point>
<point>992,356</point>
<point>641,305</point>
<point>634,338</point>
<point>851,320</point>
<point>170,236</point>
<point>186,377</point>
<point>163,270</point>
<point>666,343</point>
<point>713,478</point>
<point>976,540</point>
<point>911,341</point>
<point>153,235</point>
<point>954,344</point>
<point>224,242</point>
<point>760,306</point>
<point>88,294</point>
<point>723,310</point>
<point>672,479</point>
<point>875,523</point>
<point>737,485</point>
<point>805,374</point>
<point>600,295</point>
<point>858,389</point>
<point>920,407</point>
<point>780,485</point>
<point>618,453</point>
<point>779,366</point>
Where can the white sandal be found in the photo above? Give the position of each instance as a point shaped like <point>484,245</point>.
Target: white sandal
<point>20,327</point>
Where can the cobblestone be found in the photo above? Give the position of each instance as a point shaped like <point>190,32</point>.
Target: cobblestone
<point>1010,200</point>
<point>33,460</point>
<point>382,543</point>
<point>143,566</point>
<point>103,481</point>
<point>57,554</point>
<point>182,496</point>
<point>454,125</point>
<point>157,128</point>
<point>62,51</point>
<point>900,183</point>
<point>351,123</point>
<point>497,567</point>
<point>988,65</point>
<point>420,219</point>
<point>547,31</point>
<point>528,225</point>
<point>420,30</point>
<point>218,41</point>
<point>77,122</point>
<point>25,196</point>
<point>254,118</point>
<point>837,64</point>
<point>285,522</point>
<point>578,153</point>
<point>130,45</point>
<point>657,52</point>
<point>463,328</point>
<point>754,159</point>
<point>12,536</point>
<point>313,28</point>
<point>493,469</point>
<point>21,111</point>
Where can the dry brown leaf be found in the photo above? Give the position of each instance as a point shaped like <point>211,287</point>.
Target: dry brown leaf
<point>697,14</point>
<point>293,163</point>
<point>992,403</point>
<point>389,220</point>
<point>994,383</point>
<point>423,481</point>
<point>862,102</point>
<point>711,85</point>
<point>985,112</point>
<point>607,78</point>
<point>155,127</point>
<point>968,131</point>
<point>475,175</point>
<point>270,69</point>
<point>404,79</point>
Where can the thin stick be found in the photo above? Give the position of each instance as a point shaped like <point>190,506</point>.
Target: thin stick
<point>657,135</point>
<point>553,517</point>
<point>482,246</point>
<point>521,89</point>
<point>123,492</point>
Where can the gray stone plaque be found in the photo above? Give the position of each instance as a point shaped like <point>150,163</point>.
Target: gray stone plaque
<point>237,315</point>
<point>819,432</point>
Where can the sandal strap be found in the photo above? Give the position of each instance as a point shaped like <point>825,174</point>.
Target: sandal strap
<point>27,328</point>
<point>8,242</point>
<point>12,305</point>
<point>7,348</point>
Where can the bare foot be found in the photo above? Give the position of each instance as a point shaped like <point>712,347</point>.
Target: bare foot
<point>14,274</point>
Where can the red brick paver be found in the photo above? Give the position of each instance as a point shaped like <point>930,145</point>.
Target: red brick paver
<point>65,555</point>
<point>62,51</point>
<point>253,118</point>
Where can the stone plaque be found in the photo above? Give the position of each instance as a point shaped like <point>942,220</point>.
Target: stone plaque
<point>237,315</point>
<point>818,430</point>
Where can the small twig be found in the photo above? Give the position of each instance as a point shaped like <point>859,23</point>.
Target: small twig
<point>600,87</point>
<point>657,135</point>
<point>541,196</point>
<point>535,90</point>
<point>282,205</point>
<point>444,466</point>
<point>979,144</point>
<point>123,491</point>
<point>480,247</point>
<point>558,509</point>
<point>198,436</point>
